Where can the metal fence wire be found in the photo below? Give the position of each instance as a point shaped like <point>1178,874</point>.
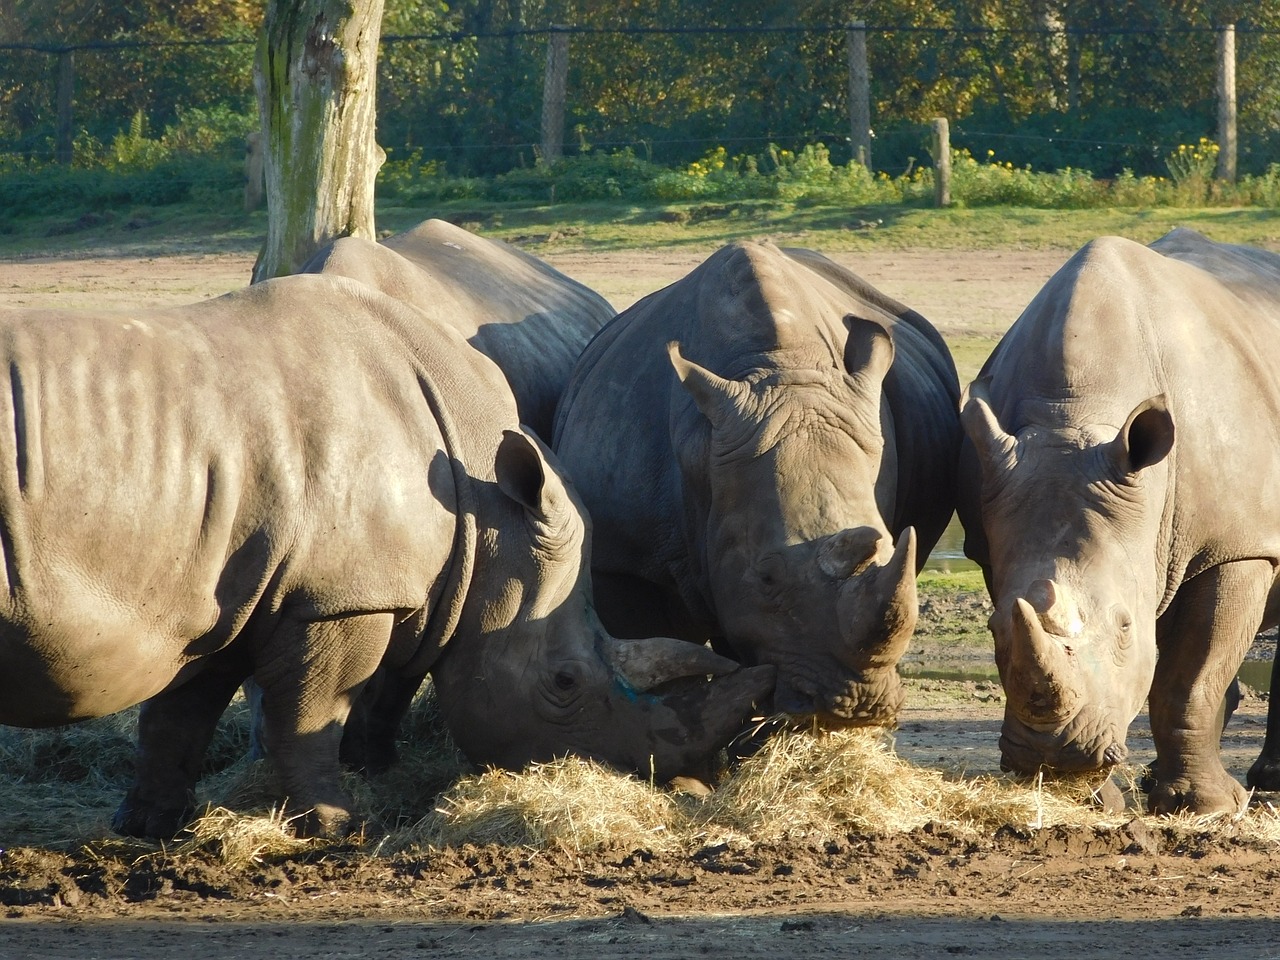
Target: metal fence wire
<point>1103,99</point>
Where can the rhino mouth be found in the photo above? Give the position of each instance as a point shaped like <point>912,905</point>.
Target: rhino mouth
<point>866,699</point>
<point>1025,751</point>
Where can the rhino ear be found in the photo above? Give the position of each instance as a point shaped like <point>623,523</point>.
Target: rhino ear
<point>714,396</point>
<point>869,351</point>
<point>995,447</point>
<point>1146,437</point>
<point>521,471</point>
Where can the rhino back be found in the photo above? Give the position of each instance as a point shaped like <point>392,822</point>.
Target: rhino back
<point>1195,321</point>
<point>745,309</point>
<point>529,318</point>
<point>171,474</point>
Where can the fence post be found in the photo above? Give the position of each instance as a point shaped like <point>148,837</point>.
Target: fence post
<point>63,137</point>
<point>941,162</point>
<point>1227,103</point>
<point>555,81</point>
<point>859,92</point>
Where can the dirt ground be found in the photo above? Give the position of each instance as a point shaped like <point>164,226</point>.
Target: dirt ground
<point>1140,889</point>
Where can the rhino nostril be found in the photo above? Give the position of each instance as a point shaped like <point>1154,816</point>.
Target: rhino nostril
<point>1115,753</point>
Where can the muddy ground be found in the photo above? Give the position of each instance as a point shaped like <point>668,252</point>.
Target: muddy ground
<point>1141,889</point>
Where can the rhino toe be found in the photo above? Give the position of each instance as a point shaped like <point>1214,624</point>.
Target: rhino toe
<point>137,817</point>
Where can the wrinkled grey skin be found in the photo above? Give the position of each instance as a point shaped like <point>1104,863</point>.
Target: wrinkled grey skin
<point>774,478</point>
<point>521,313</point>
<point>1119,489</point>
<point>525,316</point>
<point>301,481</point>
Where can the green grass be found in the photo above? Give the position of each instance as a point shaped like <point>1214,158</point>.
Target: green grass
<point>950,583</point>
<point>954,608</point>
<point>602,225</point>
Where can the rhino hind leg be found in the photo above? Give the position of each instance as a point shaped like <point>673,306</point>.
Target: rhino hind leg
<point>310,675</point>
<point>174,730</point>
<point>1265,772</point>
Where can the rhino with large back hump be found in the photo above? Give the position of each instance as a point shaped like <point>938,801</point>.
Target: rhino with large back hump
<point>527,317</point>
<point>303,481</point>
<point>1119,489</point>
<point>767,449</point>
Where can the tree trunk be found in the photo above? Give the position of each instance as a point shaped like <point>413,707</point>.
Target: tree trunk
<point>315,78</point>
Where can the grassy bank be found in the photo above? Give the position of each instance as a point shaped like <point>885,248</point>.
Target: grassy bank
<point>151,231</point>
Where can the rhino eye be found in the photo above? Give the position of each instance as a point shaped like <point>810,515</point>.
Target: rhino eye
<point>769,571</point>
<point>1124,628</point>
<point>565,681</point>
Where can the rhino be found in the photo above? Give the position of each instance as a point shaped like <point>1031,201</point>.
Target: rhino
<point>767,448</point>
<point>521,313</point>
<point>1118,487</point>
<point>304,481</point>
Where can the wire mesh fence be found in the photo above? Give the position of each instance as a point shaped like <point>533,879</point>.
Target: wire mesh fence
<point>1102,99</point>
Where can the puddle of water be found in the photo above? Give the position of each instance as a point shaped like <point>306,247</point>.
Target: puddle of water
<point>976,671</point>
<point>948,554</point>
<point>1254,673</point>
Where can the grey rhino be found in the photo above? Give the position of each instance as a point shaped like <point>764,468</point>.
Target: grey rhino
<point>301,481</point>
<point>523,314</point>
<point>1118,488</point>
<point>520,312</point>
<point>774,478</point>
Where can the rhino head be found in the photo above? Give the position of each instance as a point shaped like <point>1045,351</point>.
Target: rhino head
<point>1071,520</point>
<point>533,675</point>
<point>802,570</point>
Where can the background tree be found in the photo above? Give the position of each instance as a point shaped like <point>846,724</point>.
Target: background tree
<point>315,77</point>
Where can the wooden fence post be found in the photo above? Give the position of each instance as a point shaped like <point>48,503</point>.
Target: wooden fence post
<point>941,162</point>
<point>859,92</point>
<point>555,81</point>
<point>1227,103</point>
<point>63,136</point>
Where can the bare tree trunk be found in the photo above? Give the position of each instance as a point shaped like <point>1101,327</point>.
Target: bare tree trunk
<point>64,138</point>
<point>315,78</point>
<point>1227,146</point>
<point>859,92</point>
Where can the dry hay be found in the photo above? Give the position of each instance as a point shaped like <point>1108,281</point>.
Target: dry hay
<point>800,784</point>
<point>58,788</point>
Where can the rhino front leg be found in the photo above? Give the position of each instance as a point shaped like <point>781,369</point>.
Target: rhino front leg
<point>174,730</point>
<point>1215,620</point>
<point>310,674</point>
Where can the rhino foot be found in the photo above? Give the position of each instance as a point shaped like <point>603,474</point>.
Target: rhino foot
<point>325,821</point>
<point>1221,795</point>
<point>1264,774</point>
<point>138,817</point>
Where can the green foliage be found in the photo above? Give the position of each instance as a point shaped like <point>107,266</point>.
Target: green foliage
<point>414,180</point>
<point>197,158</point>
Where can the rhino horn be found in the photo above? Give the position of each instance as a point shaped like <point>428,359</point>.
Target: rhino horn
<point>1055,608</point>
<point>884,646</point>
<point>644,665</point>
<point>1042,679</point>
<point>995,447</point>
